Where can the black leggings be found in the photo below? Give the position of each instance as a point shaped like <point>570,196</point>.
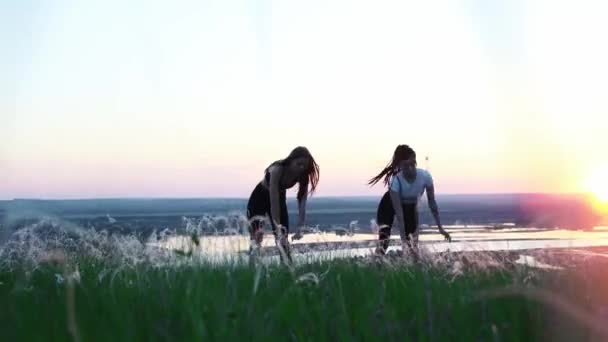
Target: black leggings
<point>259,205</point>
<point>386,216</point>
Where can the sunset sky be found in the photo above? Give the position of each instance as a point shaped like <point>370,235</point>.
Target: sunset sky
<point>195,98</point>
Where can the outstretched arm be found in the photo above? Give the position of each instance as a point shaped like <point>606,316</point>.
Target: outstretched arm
<point>302,214</point>
<point>430,194</point>
<point>302,210</point>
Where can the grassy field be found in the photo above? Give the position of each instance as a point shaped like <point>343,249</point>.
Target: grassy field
<point>77,285</point>
<point>339,300</point>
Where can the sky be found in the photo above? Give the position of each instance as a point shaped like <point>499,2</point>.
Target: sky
<point>195,98</point>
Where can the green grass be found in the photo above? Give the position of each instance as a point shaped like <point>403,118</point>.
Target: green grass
<point>352,301</point>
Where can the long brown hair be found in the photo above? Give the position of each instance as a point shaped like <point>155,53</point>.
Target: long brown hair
<point>402,152</point>
<point>311,176</point>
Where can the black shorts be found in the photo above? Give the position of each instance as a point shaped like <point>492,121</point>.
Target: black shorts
<point>259,205</point>
<point>386,215</point>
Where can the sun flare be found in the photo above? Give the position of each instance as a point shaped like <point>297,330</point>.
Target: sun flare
<point>597,184</point>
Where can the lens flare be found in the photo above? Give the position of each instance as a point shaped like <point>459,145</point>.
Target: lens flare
<point>597,184</point>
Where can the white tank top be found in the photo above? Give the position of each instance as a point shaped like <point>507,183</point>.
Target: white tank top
<point>410,193</point>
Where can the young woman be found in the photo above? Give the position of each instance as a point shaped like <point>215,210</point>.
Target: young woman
<point>406,185</point>
<point>268,198</point>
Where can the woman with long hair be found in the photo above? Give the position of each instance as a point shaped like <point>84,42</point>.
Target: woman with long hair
<point>406,185</point>
<point>269,198</point>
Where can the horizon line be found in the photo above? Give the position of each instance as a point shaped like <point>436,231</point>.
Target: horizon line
<point>289,197</point>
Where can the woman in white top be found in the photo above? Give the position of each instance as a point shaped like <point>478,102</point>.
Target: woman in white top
<point>406,185</point>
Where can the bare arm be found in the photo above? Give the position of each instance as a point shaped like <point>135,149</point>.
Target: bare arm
<point>396,201</point>
<point>273,188</point>
<point>302,216</point>
<point>302,210</point>
<point>430,195</point>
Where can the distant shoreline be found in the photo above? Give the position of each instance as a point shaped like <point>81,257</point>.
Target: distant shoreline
<point>331,197</point>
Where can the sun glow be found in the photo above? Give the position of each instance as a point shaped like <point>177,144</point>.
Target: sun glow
<point>597,184</point>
